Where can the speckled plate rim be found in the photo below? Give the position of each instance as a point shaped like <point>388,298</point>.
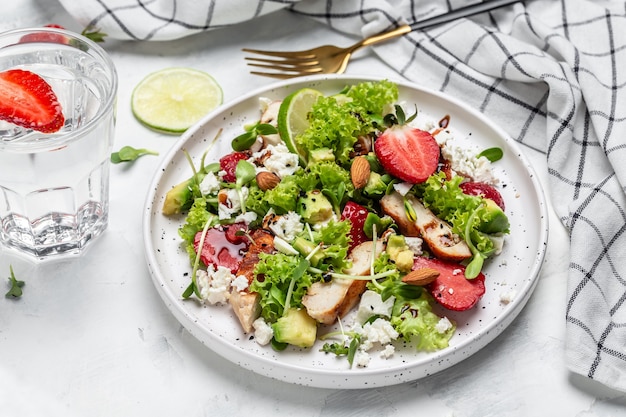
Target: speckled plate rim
<point>216,327</point>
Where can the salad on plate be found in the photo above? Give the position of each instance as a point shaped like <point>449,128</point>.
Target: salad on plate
<point>344,222</point>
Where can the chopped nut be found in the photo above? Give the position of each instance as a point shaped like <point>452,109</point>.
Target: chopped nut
<point>267,180</point>
<point>360,172</point>
<point>422,276</point>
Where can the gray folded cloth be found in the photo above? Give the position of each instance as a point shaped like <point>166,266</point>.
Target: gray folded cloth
<point>552,74</point>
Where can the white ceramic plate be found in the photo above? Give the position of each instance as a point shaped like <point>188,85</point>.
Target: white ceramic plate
<point>515,271</point>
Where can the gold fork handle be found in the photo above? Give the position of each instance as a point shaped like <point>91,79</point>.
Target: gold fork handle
<point>381,37</point>
<point>466,11</point>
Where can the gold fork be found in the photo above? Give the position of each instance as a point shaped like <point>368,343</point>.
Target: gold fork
<point>330,59</point>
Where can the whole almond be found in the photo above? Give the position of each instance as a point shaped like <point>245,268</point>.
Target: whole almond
<point>267,180</point>
<point>360,172</point>
<point>422,276</point>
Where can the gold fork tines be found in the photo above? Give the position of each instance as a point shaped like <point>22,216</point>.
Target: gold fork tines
<point>329,59</point>
<point>290,66</point>
<point>322,60</point>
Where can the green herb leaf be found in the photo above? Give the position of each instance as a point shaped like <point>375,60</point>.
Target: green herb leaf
<point>16,286</point>
<point>129,154</point>
<point>247,139</point>
<point>410,211</point>
<point>492,154</point>
<point>266,129</point>
<point>354,345</point>
<point>244,141</point>
<point>244,173</point>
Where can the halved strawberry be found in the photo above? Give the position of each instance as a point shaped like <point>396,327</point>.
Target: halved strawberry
<point>483,189</point>
<point>357,215</point>
<point>27,100</point>
<point>228,164</point>
<point>451,289</point>
<point>407,153</point>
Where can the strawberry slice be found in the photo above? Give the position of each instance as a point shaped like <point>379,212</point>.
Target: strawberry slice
<point>233,234</point>
<point>27,100</point>
<point>484,190</point>
<point>451,289</point>
<point>228,164</point>
<point>357,214</point>
<point>407,153</point>
<point>46,37</point>
<point>217,250</point>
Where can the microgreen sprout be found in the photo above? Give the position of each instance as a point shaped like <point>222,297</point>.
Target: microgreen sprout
<point>130,154</point>
<point>193,287</point>
<point>476,264</point>
<point>244,173</point>
<point>297,274</point>
<point>247,139</point>
<point>16,286</point>
<point>410,210</point>
<point>492,154</point>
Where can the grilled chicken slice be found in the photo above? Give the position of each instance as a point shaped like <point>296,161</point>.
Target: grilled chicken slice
<point>263,242</point>
<point>437,234</point>
<point>327,301</point>
<point>245,304</point>
<point>247,308</point>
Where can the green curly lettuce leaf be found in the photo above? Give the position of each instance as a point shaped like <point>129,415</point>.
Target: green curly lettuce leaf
<point>336,124</point>
<point>273,275</point>
<point>416,322</point>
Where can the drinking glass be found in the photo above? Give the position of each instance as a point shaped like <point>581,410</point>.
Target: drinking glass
<point>54,188</point>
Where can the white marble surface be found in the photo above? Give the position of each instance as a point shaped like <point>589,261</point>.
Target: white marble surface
<point>91,337</point>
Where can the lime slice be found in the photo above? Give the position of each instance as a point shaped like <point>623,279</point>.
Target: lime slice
<point>292,118</point>
<point>173,99</point>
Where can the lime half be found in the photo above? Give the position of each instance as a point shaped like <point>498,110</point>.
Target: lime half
<point>293,118</point>
<point>173,99</point>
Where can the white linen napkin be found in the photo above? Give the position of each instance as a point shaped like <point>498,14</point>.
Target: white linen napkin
<point>551,73</point>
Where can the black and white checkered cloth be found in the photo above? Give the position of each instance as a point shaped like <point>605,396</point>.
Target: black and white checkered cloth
<point>552,73</point>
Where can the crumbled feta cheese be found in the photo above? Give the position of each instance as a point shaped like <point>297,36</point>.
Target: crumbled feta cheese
<point>464,161</point>
<point>203,281</point>
<point>210,184</point>
<point>372,304</point>
<point>287,226</point>
<point>414,244</point>
<point>507,296</point>
<point>380,331</point>
<point>403,187</point>
<point>247,217</point>
<point>263,332</point>
<point>233,204</point>
<point>264,103</point>
<point>422,121</point>
<point>388,351</point>
<point>240,283</point>
<point>361,358</point>
<point>442,136</point>
<point>322,224</point>
<point>443,325</point>
<point>278,159</point>
<point>214,284</point>
<point>498,243</point>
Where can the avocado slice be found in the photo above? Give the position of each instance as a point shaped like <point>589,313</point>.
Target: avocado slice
<point>314,207</point>
<point>493,220</point>
<point>177,199</point>
<point>295,327</point>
